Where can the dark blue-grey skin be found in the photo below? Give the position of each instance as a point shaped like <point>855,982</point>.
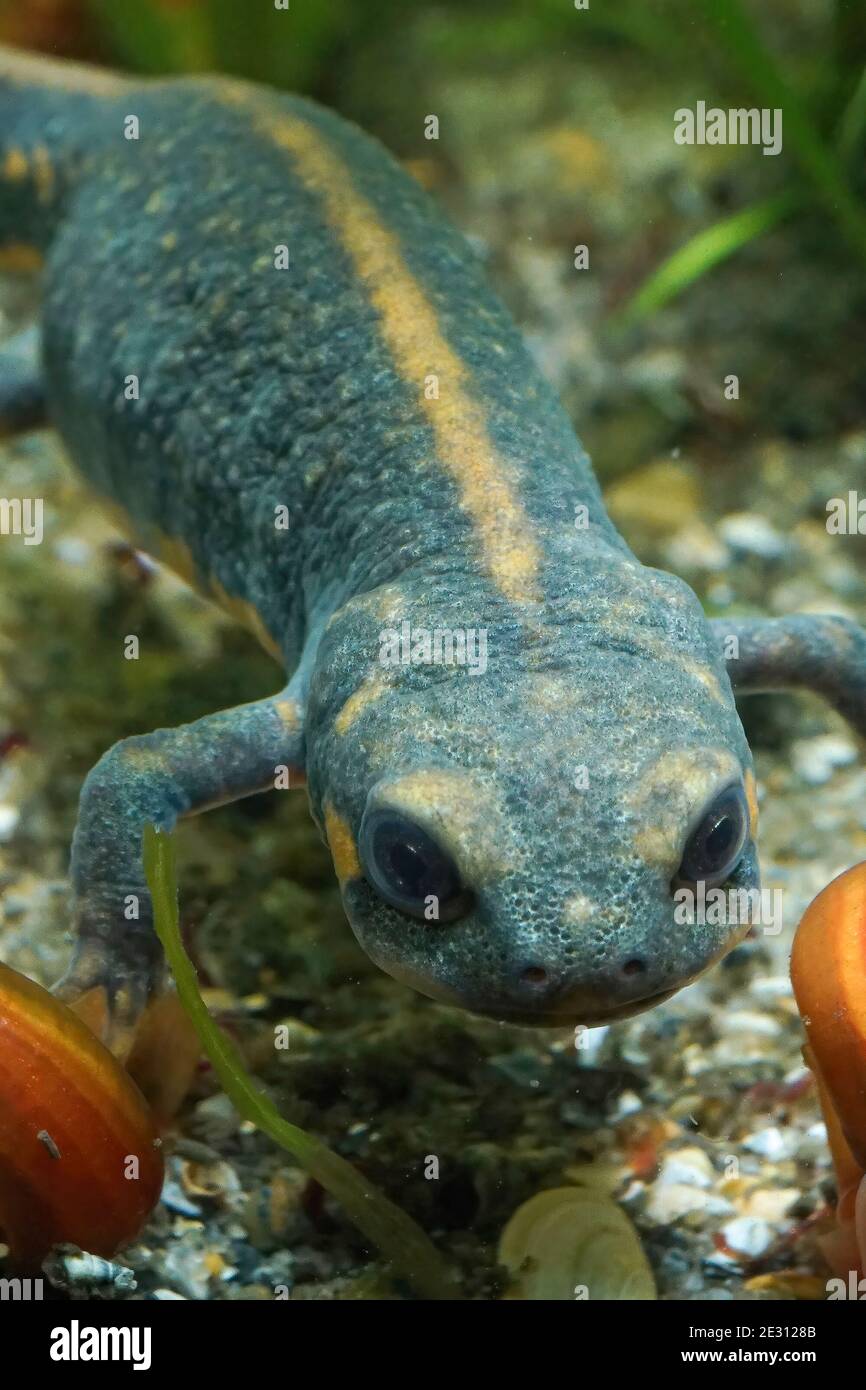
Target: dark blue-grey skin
<point>262,340</point>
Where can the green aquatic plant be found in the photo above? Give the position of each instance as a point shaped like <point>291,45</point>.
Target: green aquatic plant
<point>707,249</point>
<point>287,45</point>
<point>405,1246</point>
<point>154,37</point>
<point>822,165</point>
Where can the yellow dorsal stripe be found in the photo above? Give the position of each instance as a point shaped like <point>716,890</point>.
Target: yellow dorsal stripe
<point>415,341</point>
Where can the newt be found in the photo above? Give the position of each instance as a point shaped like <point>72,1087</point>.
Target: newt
<point>263,340</point>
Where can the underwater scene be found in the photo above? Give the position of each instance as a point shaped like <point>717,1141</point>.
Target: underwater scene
<point>433,443</point>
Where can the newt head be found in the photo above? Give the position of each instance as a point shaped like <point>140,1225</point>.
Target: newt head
<point>565,836</point>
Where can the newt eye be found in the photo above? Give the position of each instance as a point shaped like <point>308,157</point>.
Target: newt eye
<point>409,870</point>
<point>715,847</point>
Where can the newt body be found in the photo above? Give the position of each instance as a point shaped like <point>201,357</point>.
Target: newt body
<point>251,312</point>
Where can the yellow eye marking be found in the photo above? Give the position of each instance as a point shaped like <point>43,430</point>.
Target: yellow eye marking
<point>417,345</point>
<point>752,799</point>
<point>464,813</point>
<point>669,792</point>
<point>342,846</point>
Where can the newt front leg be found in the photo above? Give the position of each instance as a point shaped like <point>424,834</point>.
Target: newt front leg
<point>156,778</point>
<point>805,651</point>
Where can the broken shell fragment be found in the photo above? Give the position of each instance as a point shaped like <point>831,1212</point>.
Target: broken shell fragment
<point>574,1243</point>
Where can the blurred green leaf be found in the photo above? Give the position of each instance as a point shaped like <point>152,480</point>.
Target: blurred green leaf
<point>819,163</point>
<point>822,165</point>
<point>852,127</point>
<point>532,26</point>
<point>705,250</point>
<point>286,48</point>
<point>639,24</point>
<point>156,36</point>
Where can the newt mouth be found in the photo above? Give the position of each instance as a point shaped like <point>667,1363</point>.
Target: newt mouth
<point>563,1007</point>
<point>565,1015</point>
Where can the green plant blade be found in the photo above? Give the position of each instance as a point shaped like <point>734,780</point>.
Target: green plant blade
<point>156,37</point>
<point>401,1241</point>
<point>817,160</point>
<point>288,48</point>
<point>852,127</point>
<point>703,251</point>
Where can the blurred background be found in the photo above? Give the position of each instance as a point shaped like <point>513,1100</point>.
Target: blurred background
<point>555,131</point>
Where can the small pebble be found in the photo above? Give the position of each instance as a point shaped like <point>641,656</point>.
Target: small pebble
<point>771,1203</point>
<point>816,759</point>
<point>740,1021</point>
<point>768,988</point>
<point>752,535</point>
<point>628,1103</point>
<point>772,1143</point>
<point>690,1166</point>
<point>748,1235</point>
<point>174,1197</point>
<point>696,547</point>
<point>670,1201</point>
<point>71,550</point>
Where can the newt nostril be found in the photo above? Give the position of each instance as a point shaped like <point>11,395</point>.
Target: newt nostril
<point>634,967</point>
<point>534,975</point>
